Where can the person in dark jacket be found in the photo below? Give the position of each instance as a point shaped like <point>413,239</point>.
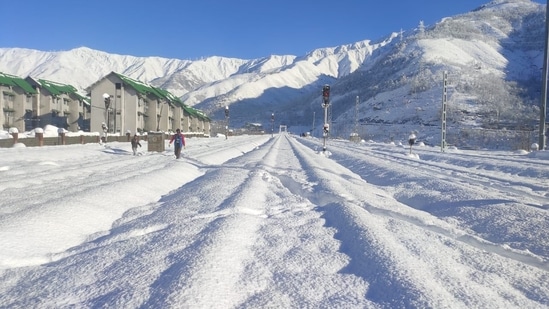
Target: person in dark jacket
<point>135,143</point>
<point>178,140</point>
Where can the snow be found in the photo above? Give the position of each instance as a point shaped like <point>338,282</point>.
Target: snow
<point>273,222</point>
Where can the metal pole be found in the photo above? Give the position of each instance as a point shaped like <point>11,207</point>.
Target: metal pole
<point>543,103</point>
<point>313,128</point>
<point>326,127</point>
<point>272,124</point>
<point>114,114</point>
<point>443,116</point>
<point>325,105</point>
<point>356,114</point>
<point>226,122</point>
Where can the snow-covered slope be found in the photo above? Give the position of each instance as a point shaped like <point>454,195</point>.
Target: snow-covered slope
<point>493,54</point>
<point>268,222</point>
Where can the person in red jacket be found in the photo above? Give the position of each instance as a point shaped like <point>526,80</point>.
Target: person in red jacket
<point>179,142</point>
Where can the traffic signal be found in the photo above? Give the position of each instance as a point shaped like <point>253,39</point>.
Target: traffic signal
<point>326,93</point>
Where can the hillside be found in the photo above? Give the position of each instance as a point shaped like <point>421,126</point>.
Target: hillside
<point>493,55</point>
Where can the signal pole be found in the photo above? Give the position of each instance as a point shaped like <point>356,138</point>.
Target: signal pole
<point>325,105</point>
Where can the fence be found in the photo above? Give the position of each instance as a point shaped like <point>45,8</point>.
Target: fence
<point>71,140</point>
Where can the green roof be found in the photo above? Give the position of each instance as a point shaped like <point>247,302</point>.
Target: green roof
<point>196,113</point>
<point>56,88</point>
<point>15,81</point>
<point>146,89</point>
<point>84,99</point>
<point>169,97</point>
<point>140,87</point>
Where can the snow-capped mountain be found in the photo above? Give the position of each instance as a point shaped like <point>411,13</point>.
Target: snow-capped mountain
<point>493,57</point>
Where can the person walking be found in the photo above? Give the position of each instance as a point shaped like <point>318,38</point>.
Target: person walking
<point>135,142</point>
<point>179,142</point>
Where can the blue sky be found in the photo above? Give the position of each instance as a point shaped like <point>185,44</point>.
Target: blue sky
<point>184,29</point>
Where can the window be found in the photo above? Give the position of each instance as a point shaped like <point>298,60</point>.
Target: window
<point>28,102</point>
<point>9,97</point>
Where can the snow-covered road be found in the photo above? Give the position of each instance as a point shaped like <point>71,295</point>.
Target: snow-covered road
<point>261,222</point>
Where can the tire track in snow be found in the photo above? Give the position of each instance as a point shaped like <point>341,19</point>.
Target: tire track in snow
<point>214,261</point>
<point>233,247</point>
<point>473,240</point>
<point>517,187</point>
<point>413,184</point>
<point>371,259</point>
<point>362,216</point>
<point>296,255</point>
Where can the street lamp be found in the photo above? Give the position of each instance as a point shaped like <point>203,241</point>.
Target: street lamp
<point>272,124</point>
<point>226,122</point>
<point>107,100</point>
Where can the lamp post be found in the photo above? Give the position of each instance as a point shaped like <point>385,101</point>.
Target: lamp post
<point>107,100</point>
<point>272,124</point>
<point>226,122</point>
<point>325,105</point>
<point>105,126</point>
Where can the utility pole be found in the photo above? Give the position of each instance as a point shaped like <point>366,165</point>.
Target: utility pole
<point>313,128</point>
<point>272,124</point>
<point>226,122</point>
<point>325,105</point>
<point>543,103</point>
<point>444,105</point>
<point>356,114</point>
<point>354,137</point>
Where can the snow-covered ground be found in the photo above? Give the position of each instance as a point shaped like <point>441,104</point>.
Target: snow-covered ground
<point>271,222</point>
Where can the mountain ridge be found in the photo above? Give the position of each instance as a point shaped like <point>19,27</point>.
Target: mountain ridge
<point>498,41</point>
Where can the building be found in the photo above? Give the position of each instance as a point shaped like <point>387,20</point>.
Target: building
<point>30,103</point>
<point>17,101</point>
<point>59,105</point>
<point>118,102</point>
<point>124,105</point>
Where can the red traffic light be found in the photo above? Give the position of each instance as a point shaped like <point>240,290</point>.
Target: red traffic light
<point>326,91</point>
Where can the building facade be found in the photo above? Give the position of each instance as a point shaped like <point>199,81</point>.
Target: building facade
<point>115,104</point>
<point>17,100</point>
<point>125,105</point>
<point>59,105</point>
